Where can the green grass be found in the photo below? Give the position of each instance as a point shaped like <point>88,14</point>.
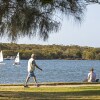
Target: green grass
<point>52,93</point>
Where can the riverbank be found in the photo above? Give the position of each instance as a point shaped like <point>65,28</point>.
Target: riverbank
<point>50,91</point>
<point>56,84</point>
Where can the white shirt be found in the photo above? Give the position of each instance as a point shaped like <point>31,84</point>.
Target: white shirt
<point>31,65</point>
<point>91,77</point>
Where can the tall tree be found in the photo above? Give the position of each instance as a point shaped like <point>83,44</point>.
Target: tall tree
<point>37,17</point>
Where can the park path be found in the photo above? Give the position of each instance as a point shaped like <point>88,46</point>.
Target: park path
<point>52,84</point>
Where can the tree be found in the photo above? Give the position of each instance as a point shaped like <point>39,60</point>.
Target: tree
<point>98,57</point>
<point>37,17</point>
<point>89,54</point>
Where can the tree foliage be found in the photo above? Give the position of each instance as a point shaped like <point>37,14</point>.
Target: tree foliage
<point>37,17</point>
<point>50,51</point>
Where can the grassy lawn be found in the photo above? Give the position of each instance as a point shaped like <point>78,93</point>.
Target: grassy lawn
<point>52,93</point>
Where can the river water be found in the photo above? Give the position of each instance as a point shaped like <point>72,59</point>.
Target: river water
<point>53,71</point>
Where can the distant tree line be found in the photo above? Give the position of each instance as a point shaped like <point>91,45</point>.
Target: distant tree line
<point>50,51</point>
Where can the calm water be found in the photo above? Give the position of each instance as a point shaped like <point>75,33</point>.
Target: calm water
<point>53,71</point>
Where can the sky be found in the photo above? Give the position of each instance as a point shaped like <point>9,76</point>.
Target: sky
<point>72,33</point>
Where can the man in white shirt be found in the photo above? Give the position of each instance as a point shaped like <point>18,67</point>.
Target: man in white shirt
<point>31,68</point>
<point>91,76</point>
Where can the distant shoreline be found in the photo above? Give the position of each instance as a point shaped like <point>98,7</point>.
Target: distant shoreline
<point>48,52</point>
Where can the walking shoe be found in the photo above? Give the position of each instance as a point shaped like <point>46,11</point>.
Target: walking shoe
<point>26,86</point>
<point>37,85</point>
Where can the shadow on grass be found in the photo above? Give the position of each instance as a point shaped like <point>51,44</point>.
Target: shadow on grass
<point>10,95</point>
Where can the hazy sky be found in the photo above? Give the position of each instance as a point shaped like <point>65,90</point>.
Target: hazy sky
<point>85,34</point>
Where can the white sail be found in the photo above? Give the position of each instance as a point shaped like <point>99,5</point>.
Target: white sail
<point>1,56</point>
<point>17,60</point>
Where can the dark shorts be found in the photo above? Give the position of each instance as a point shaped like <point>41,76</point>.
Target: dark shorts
<point>31,74</point>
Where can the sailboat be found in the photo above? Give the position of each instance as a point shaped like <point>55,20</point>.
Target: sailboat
<point>1,58</point>
<point>17,60</point>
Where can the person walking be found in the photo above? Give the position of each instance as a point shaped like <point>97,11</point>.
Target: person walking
<point>31,68</point>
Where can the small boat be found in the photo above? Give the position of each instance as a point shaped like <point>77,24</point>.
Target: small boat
<point>1,58</point>
<point>17,60</point>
